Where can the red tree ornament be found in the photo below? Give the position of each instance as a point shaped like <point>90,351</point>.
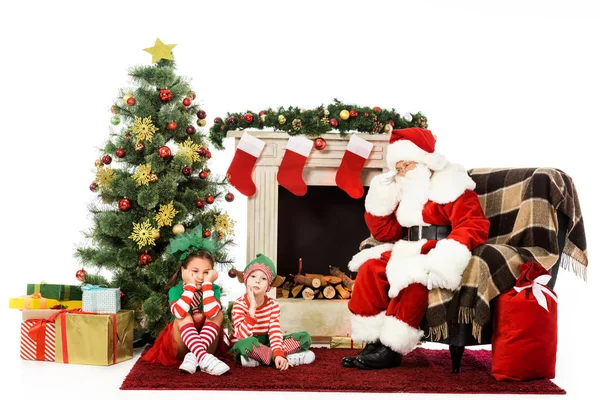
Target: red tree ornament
<point>127,136</point>
<point>187,102</point>
<point>207,154</point>
<point>218,120</point>
<point>124,204</point>
<point>187,171</point>
<point>106,159</point>
<point>165,95</point>
<point>193,94</point>
<point>320,143</point>
<point>145,259</point>
<point>248,118</point>
<point>210,199</point>
<point>80,275</point>
<point>333,122</point>
<point>232,120</point>
<point>120,153</point>
<point>202,151</point>
<point>203,174</point>
<point>201,114</point>
<point>164,152</point>
<point>93,187</point>
<point>199,203</point>
<point>172,125</point>
<point>206,234</point>
<point>377,109</point>
<point>190,130</point>
<point>232,273</point>
<point>229,197</point>
<point>131,101</point>
<point>353,114</point>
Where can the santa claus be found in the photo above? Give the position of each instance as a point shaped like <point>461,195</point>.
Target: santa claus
<point>430,219</point>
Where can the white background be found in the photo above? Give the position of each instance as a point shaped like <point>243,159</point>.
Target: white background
<point>504,84</point>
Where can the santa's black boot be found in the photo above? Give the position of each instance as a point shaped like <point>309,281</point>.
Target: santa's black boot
<point>348,362</point>
<point>384,357</point>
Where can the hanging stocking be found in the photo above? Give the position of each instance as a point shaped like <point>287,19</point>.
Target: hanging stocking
<point>290,171</point>
<point>348,174</point>
<point>240,171</point>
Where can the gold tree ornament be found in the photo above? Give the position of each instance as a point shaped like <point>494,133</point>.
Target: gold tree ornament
<point>143,129</point>
<point>153,178</point>
<point>165,215</point>
<point>224,225</point>
<point>104,176</point>
<point>178,229</point>
<point>143,234</point>
<point>160,51</point>
<point>98,163</point>
<point>188,150</point>
<point>142,175</point>
<point>139,146</point>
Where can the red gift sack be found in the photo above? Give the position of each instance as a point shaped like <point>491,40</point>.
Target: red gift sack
<point>525,328</point>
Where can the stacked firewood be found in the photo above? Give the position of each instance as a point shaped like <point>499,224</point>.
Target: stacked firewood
<point>336,285</point>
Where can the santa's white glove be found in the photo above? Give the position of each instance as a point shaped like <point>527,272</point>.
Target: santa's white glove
<point>389,177</point>
<point>435,281</point>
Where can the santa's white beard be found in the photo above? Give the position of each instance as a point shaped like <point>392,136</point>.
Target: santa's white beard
<point>413,193</point>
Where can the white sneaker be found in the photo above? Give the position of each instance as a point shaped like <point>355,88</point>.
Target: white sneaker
<point>212,365</point>
<point>249,362</point>
<point>189,364</point>
<point>303,357</point>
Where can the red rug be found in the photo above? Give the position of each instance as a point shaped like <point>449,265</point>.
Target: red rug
<point>422,371</point>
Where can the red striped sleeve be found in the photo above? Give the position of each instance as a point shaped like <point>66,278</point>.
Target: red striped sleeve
<point>210,305</point>
<point>180,308</point>
<point>243,323</point>
<point>275,335</point>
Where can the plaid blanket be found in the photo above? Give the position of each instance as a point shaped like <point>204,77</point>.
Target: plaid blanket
<point>522,206</point>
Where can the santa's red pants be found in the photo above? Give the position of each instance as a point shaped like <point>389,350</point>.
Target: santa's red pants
<point>395,322</point>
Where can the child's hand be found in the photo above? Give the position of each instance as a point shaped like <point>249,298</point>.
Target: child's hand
<point>281,363</point>
<point>188,277</point>
<point>251,300</point>
<point>211,275</point>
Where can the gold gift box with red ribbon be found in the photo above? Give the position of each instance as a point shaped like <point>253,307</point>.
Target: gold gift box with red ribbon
<point>94,339</point>
<point>345,342</point>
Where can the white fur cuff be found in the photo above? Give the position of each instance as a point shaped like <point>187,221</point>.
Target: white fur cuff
<point>367,254</point>
<point>448,260</point>
<point>366,329</point>
<point>399,336</point>
<point>406,266</point>
<point>382,199</point>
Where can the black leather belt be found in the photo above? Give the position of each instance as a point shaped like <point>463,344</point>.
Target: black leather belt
<point>431,232</point>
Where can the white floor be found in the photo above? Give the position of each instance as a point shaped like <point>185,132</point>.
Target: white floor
<point>577,364</point>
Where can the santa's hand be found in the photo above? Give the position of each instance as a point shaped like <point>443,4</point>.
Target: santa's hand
<point>389,177</point>
<point>434,281</point>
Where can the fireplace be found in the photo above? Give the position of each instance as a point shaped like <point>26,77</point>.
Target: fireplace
<point>316,220</point>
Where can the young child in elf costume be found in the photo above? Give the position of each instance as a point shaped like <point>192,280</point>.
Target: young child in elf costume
<point>255,317</point>
<point>195,332</point>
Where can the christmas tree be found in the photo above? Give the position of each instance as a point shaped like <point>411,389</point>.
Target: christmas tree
<point>153,183</point>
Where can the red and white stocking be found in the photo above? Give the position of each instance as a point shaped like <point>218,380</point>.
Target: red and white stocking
<point>290,171</point>
<point>348,174</point>
<point>261,354</point>
<point>240,171</point>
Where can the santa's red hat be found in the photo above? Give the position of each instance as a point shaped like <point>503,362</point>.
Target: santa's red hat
<point>414,144</point>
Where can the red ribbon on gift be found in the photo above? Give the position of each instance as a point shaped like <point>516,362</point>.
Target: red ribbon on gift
<point>63,331</point>
<point>38,334</point>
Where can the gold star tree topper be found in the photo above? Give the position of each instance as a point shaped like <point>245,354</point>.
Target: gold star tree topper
<point>160,50</point>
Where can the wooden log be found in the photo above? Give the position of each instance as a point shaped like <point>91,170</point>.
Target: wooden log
<point>346,281</point>
<point>278,281</point>
<point>332,280</point>
<point>285,289</point>
<point>342,291</point>
<point>319,277</point>
<point>296,290</point>
<point>308,293</point>
<point>304,280</point>
<point>329,292</point>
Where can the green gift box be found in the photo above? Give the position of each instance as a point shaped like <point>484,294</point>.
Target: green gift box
<point>56,292</point>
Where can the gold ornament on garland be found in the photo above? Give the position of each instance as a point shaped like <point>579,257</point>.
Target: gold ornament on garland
<point>297,124</point>
<point>387,128</point>
<point>224,225</point>
<point>189,151</point>
<point>143,129</point>
<point>104,176</point>
<point>143,234</point>
<point>281,119</point>
<point>165,215</point>
<point>344,114</point>
<point>142,175</point>
<point>178,229</point>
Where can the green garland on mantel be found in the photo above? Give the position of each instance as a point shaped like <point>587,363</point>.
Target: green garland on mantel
<point>315,122</point>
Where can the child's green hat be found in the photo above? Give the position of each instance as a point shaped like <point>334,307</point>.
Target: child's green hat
<point>264,264</point>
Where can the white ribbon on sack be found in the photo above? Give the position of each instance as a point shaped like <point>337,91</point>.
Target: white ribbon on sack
<point>538,288</point>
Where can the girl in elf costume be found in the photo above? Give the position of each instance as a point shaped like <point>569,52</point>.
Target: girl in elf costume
<point>195,332</point>
<point>257,336</point>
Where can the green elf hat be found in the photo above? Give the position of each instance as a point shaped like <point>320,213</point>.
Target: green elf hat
<point>261,263</point>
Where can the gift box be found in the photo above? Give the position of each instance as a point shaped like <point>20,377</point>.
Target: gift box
<point>344,342</point>
<point>97,299</point>
<point>36,301</point>
<point>56,292</point>
<point>94,339</point>
<point>38,340</point>
<point>524,339</point>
